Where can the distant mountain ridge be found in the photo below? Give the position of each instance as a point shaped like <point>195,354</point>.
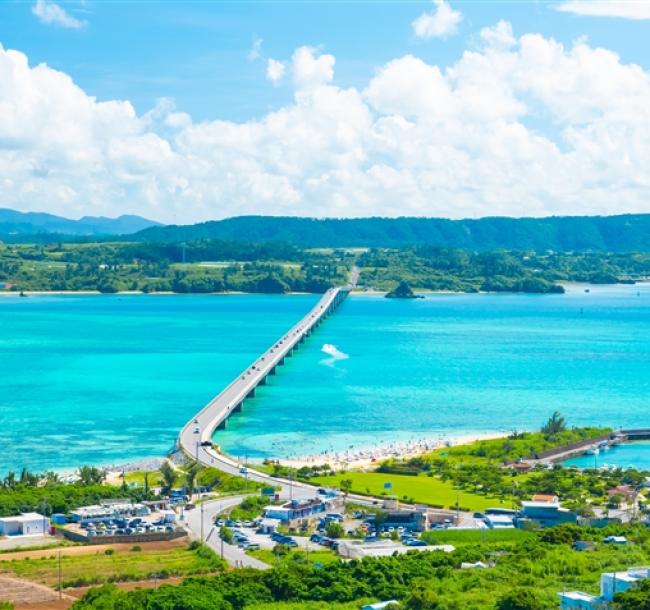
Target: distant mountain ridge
<point>624,233</point>
<point>14,223</point>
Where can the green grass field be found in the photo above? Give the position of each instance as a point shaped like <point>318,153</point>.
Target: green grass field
<point>421,489</point>
<point>472,537</point>
<point>323,557</point>
<point>80,570</point>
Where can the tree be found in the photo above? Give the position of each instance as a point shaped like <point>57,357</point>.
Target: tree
<point>520,599</point>
<point>89,475</point>
<point>334,529</point>
<point>554,425</point>
<point>190,476</point>
<point>346,486</point>
<point>169,476</point>
<point>225,533</point>
<point>421,597</point>
<point>637,598</point>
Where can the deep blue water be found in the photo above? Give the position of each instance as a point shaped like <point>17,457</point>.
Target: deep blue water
<point>106,379</point>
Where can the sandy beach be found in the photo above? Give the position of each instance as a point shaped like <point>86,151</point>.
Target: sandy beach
<point>363,458</point>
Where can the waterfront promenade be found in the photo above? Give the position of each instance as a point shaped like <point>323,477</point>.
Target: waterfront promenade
<point>195,437</point>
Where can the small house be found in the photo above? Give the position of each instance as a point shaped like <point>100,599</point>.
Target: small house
<point>25,524</point>
<point>611,583</point>
<point>499,522</point>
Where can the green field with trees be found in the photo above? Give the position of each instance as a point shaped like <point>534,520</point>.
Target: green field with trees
<point>218,266</point>
<point>526,573</point>
<point>111,566</point>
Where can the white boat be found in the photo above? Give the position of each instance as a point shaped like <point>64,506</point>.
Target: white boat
<point>593,450</point>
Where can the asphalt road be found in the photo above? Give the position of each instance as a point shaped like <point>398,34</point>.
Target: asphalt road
<point>232,554</point>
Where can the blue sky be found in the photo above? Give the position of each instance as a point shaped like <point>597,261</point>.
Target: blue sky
<point>375,108</point>
<point>197,52</point>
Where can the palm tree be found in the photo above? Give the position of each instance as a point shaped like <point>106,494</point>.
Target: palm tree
<point>554,425</point>
<point>169,476</point>
<point>346,486</point>
<point>190,476</point>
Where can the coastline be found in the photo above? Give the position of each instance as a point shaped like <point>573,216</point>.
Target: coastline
<point>361,458</point>
<point>354,291</point>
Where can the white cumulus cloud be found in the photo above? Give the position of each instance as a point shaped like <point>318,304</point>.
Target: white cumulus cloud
<point>311,69</point>
<point>519,125</point>
<point>51,13</point>
<point>625,9</point>
<point>441,23</point>
<point>275,70</point>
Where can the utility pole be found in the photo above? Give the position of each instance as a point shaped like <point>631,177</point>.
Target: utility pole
<point>60,589</point>
<point>201,522</point>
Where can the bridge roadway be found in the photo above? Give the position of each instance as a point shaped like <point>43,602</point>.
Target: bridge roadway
<point>195,437</point>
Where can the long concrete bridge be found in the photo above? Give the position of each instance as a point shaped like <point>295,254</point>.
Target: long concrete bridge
<point>195,437</point>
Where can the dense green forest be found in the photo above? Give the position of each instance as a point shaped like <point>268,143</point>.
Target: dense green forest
<point>274,267</point>
<point>624,233</point>
<point>527,570</point>
<point>465,271</point>
<point>197,267</point>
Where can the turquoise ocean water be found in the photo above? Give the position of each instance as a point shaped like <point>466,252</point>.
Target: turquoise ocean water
<point>636,455</point>
<point>104,379</point>
<point>107,379</point>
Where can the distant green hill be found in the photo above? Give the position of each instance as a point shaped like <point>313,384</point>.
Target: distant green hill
<point>630,232</point>
<point>14,225</point>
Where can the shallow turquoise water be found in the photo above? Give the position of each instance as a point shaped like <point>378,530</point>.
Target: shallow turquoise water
<point>636,455</point>
<point>453,364</point>
<point>106,379</point>
<point>103,379</point>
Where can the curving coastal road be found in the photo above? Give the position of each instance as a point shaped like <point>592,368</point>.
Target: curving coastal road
<point>195,437</point>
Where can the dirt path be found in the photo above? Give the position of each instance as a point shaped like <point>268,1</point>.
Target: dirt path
<point>22,592</point>
<point>94,549</point>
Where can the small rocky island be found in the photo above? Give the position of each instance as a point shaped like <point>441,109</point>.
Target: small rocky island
<point>403,291</point>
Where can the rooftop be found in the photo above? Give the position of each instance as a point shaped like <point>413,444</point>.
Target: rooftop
<point>578,596</point>
<point>23,517</point>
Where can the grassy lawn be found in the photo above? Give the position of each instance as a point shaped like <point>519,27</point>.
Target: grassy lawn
<point>83,570</point>
<point>323,557</point>
<point>472,537</point>
<point>422,489</point>
<point>137,478</point>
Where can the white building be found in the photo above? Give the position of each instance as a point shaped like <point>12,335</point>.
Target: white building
<point>27,524</point>
<point>576,600</point>
<point>611,583</point>
<point>358,549</point>
<point>499,522</point>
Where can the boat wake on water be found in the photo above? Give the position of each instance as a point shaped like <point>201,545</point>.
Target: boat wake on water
<point>334,354</point>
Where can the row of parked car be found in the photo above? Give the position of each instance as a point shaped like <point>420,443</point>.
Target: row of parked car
<point>243,542</point>
<point>324,541</point>
<point>125,527</point>
<point>283,539</point>
<point>230,523</point>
